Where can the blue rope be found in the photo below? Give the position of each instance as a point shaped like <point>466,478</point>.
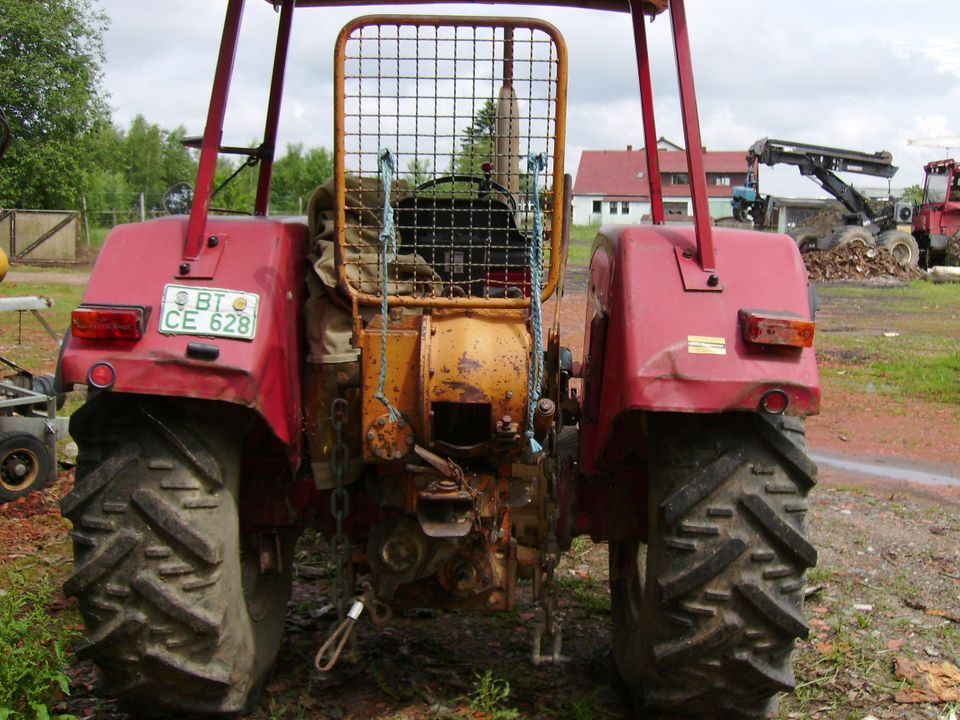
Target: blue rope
<point>536,163</point>
<point>388,251</point>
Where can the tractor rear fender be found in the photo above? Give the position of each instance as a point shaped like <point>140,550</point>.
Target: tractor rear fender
<point>652,345</point>
<point>254,255</point>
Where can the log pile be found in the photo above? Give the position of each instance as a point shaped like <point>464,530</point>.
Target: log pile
<point>855,262</point>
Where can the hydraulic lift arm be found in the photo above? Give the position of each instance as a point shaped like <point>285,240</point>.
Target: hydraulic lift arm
<point>822,163</point>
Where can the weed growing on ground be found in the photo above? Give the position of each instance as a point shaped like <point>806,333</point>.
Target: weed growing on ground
<point>489,695</point>
<point>583,709</point>
<point>33,660</point>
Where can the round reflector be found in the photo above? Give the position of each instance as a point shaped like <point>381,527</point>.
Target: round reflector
<point>774,402</point>
<point>101,375</point>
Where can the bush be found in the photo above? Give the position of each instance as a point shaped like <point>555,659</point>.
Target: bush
<point>32,655</point>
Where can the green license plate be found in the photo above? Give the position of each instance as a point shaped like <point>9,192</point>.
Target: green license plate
<point>214,312</point>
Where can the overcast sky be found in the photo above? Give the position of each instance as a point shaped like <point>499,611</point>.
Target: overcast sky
<point>860,74</point>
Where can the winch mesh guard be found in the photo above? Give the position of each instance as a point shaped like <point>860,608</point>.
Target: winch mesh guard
<point>460,103</point>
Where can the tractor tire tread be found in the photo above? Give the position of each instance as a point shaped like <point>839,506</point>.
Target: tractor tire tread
<point>164,609</point>
<point>720,613</point>
<point>202,461</point>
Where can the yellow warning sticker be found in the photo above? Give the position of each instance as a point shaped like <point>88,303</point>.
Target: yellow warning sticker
<point>701,345</point>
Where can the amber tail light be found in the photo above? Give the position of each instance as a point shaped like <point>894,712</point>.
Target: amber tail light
<point>107,323</point>
<point>763,328</point>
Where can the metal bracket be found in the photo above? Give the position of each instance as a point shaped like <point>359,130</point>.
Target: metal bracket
<point>204,266</point>
<point>695,278</point>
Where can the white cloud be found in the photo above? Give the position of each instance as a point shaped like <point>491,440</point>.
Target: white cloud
<point>851,74</point>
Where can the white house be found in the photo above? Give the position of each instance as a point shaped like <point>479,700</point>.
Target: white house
<point>612,186</point>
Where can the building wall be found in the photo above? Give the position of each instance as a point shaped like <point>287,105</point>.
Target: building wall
<point>627,211</point>
<point>584,213</point>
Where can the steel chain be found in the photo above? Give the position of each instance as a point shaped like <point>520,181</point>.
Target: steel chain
<point>550,559</point>
<point>339,506</point>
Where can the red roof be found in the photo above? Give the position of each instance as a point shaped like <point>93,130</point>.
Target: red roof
<point>623,173</point>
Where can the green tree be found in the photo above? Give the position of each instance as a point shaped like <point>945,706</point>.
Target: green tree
<point>155,160</point>
<point>418,171</point>
<point>913,194</point>
<point>50,86</point>
<point>146,159</point>
<point>296,175</point>
<point>476,147</point>
<point>239,193</point>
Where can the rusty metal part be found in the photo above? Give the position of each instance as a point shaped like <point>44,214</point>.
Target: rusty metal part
<point>475,359</point>
<point>388,440</point>
<point>445,466</point>
<point>447,514</point>
<point>449,507</point>
<point>398,552</point>
<point>453,375</point>
<point>469,572</point>
<point>507,429</point>
<point>403,387</point>
<point>543,419</point>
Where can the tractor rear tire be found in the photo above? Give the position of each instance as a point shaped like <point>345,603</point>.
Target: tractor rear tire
<point>902,246</point>
<point>179,616</point>
<point>705,614</point>
<point>853,235</point>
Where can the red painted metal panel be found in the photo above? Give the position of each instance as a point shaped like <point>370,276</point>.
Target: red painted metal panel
<point>261,256</point>
<point>213,132</point>
<point>691,133</point>
<point>262,204</point>
<point>613,5</point>
<point>649,117</point>
<point>654,357</point>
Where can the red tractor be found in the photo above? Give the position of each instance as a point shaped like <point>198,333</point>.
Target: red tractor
<point>937,223</point>
<point>386,371</point>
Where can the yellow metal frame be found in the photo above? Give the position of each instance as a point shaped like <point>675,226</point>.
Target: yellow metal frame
<point>557,216</point>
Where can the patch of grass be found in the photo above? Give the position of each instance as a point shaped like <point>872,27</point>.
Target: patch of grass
<point>818,575</point>
<point>583,233</point>
<point>98,235</point>
<point>33,658</point>
<point>581,240</point>
<point>590,596</point>
<point>895,344</point>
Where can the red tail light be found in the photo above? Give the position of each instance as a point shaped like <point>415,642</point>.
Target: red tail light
<point>107,323</point>
<point>767,329</point>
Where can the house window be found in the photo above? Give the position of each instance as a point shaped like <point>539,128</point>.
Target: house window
<point>680,179</point>
<point>675,208</point>
<point>624,208</point>
<point>597,207</point>
<point>722,180</point>
<point>614,207</point>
